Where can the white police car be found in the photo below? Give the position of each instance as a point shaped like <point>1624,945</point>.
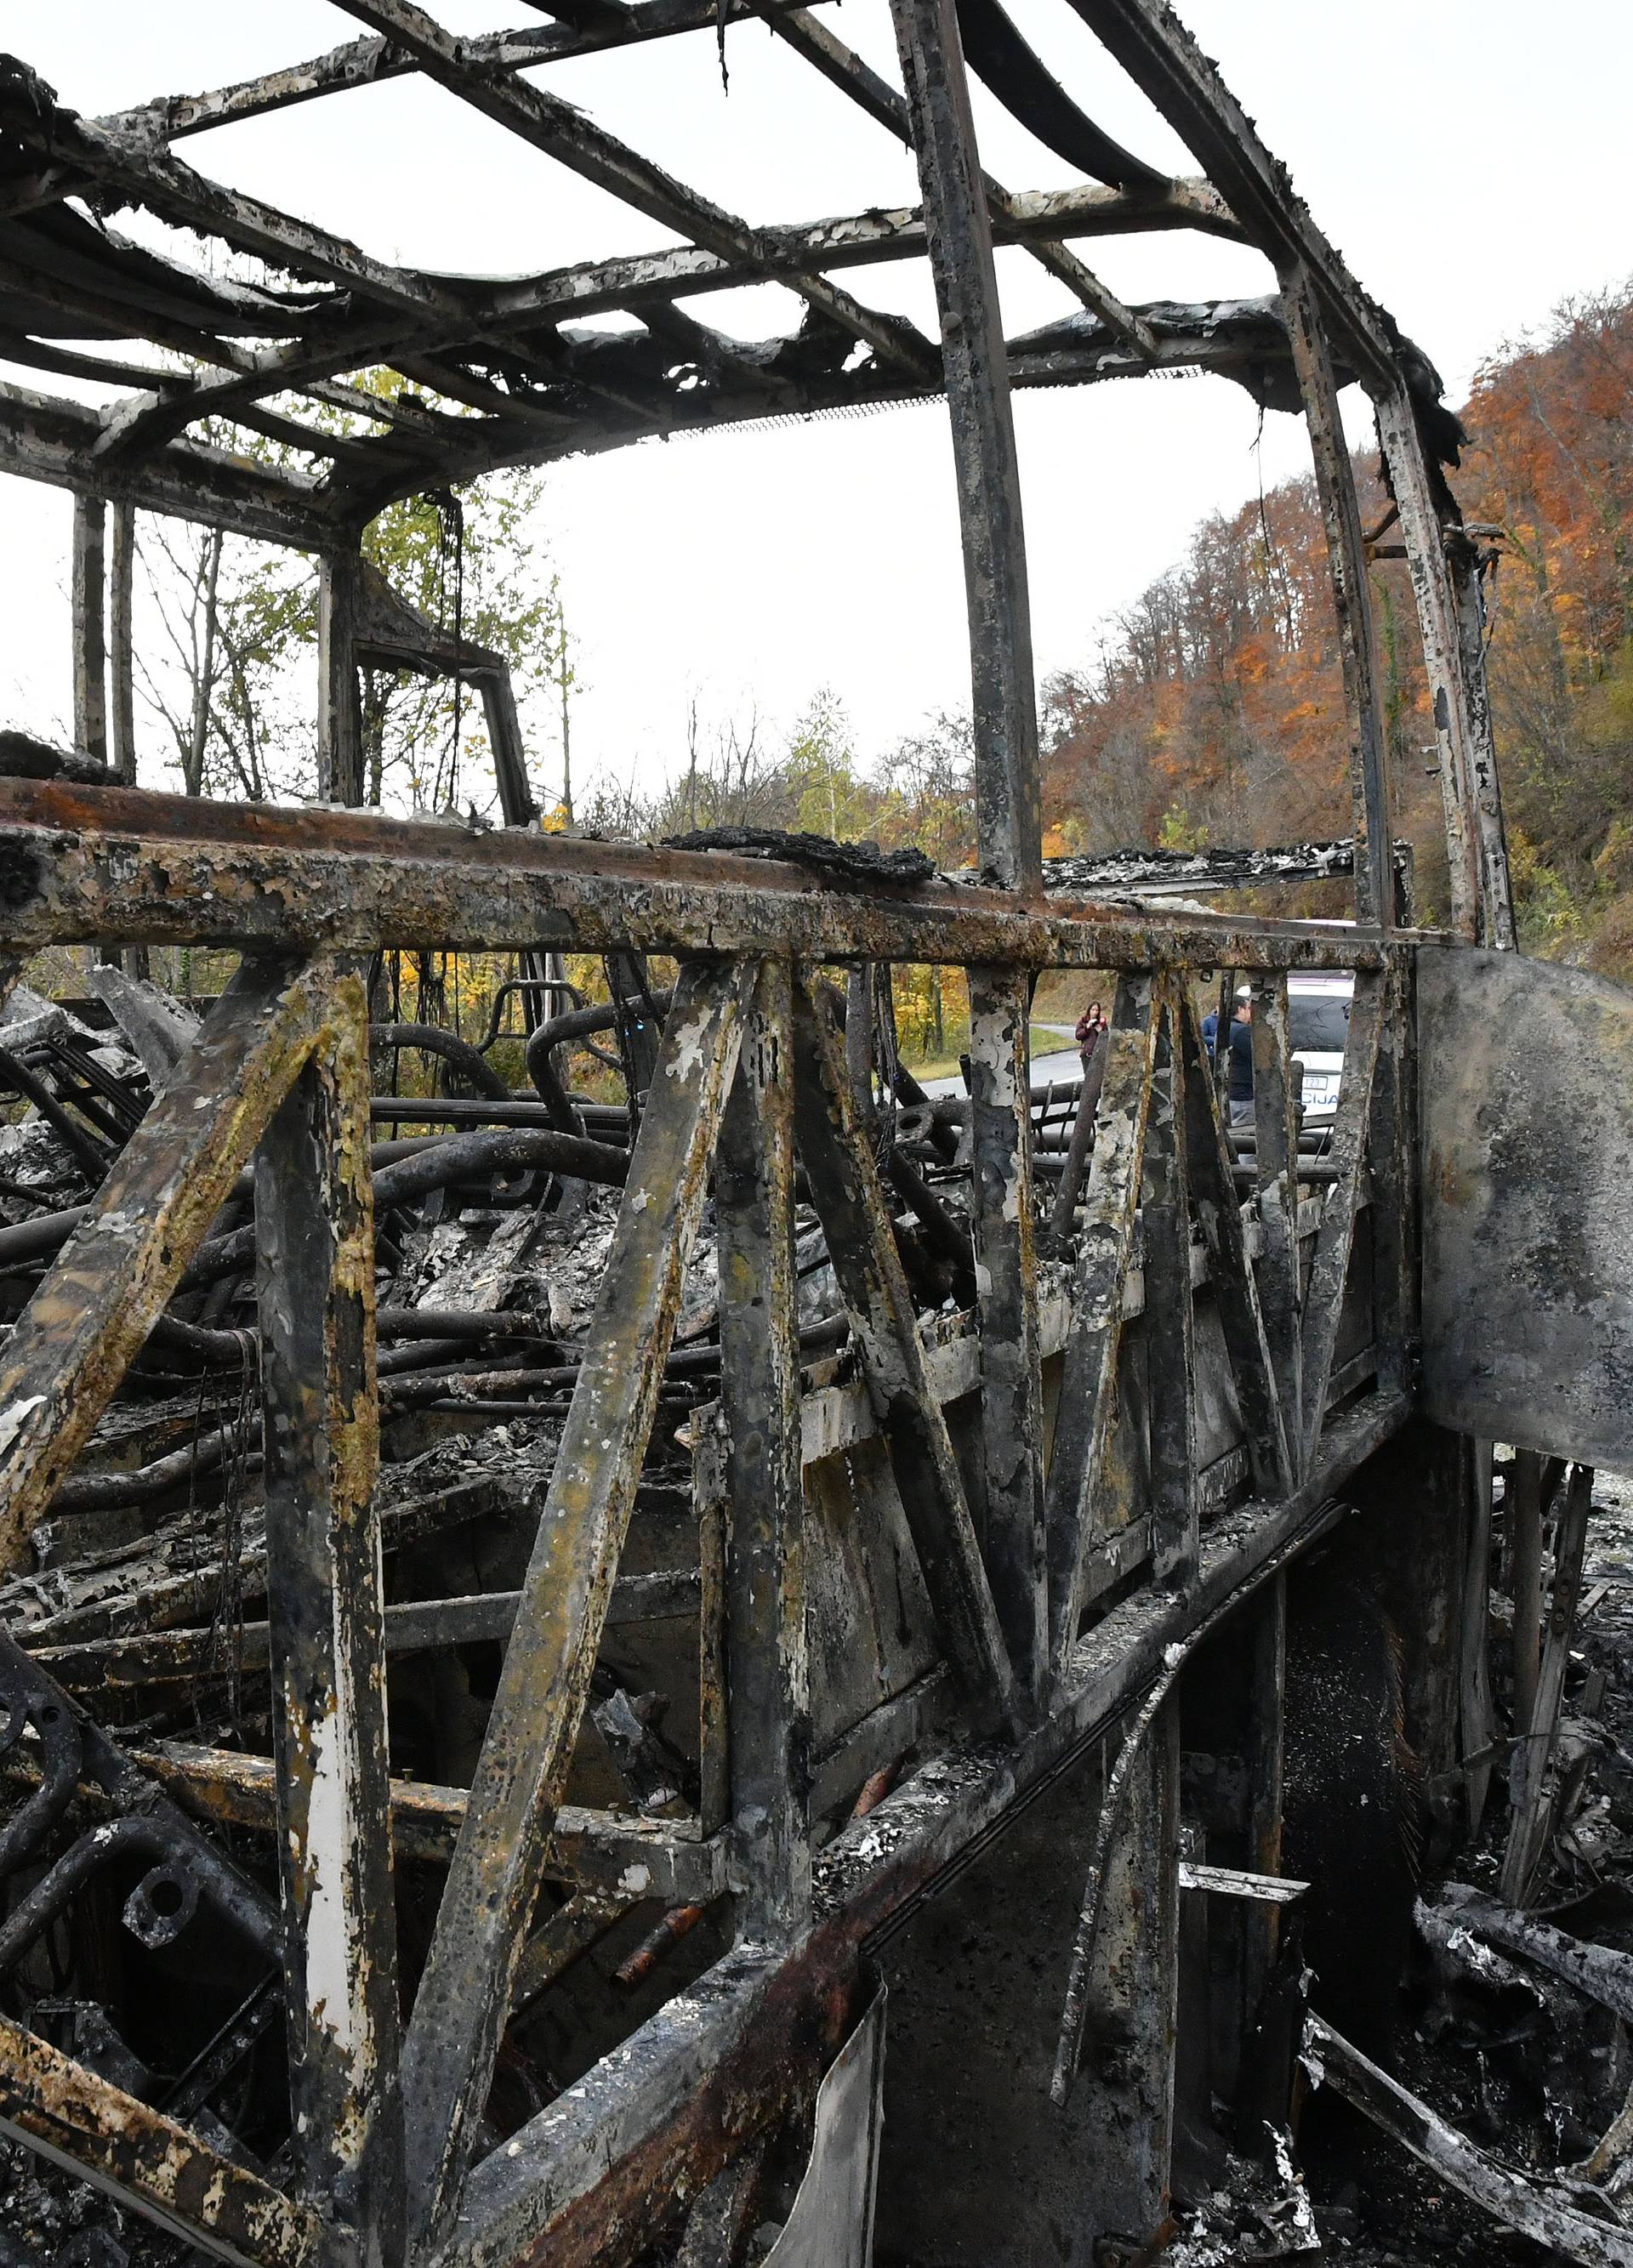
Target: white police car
<point>1317,1027</point>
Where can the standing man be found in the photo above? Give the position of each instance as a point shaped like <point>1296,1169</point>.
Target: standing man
<point>1241,1089</point>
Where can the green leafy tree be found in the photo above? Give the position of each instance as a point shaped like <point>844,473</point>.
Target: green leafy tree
<point>233,671</point>
<point>825,789</point>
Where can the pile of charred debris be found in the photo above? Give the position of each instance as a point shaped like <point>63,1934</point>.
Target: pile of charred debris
<point>1474,2098</point>
<point>146,1606</point>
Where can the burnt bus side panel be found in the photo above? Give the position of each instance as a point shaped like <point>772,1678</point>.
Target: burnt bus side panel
<point>1526,1134</point>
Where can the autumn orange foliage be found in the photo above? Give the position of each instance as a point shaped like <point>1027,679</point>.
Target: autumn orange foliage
<point>1213,712</point>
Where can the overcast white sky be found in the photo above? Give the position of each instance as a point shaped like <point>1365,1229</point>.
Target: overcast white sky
<point>1468,155</point>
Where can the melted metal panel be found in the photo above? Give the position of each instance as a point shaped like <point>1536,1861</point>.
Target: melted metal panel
<point>831,2223</point>
<point>1526,1134</point>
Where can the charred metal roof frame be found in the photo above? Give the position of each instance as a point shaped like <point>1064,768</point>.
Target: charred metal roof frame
<point>513,379</point>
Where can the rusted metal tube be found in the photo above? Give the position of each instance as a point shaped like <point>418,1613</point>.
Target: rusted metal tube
<point>679,1922</point>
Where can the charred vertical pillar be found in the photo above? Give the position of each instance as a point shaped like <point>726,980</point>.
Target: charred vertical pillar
<point>90,579</point>
<point>1169,1329</point>
<point>1445,587</point>
<point>1009,807</point>
<point>1497,884</point>
<point>340,709</point>
<point>122,652</point>
<point>1391,1161</point>
<point>1276,1130</point>
<point>517,802</point>
<point>638,1029</point>
<point>1232,1775</point>
<point>1347,554</point>
<point>1007,800</point>
<point>859,1039</point>
<point>768,1683</point>
<point>315,1282</point>
<point>1264,1747</point>
<point>1135,1984</point>
<point>1006,1276</point>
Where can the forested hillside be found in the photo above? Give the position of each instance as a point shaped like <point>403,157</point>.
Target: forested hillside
<point>1213,712</point>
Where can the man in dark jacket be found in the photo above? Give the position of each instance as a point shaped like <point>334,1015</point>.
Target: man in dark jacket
<point>1241,1087</point>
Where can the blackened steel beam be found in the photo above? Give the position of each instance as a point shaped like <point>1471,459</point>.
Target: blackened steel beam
<point>1497,882</point>
<point>1329,1268</point>
<point>1009,800</point>
<point>189,1656</point>
<point>122,644</point>
<point>844,240</point>
<point>1170,1309</point>
<point>367,61</point>
<point>340,710</point>
<point>43,439</point>
<point>1436,613</point>
<point>88,2127</point>
<point>709,1501</point>
<point>566,134</point>
<point>596,1851</point>
<point>1006,1276</point>
<point>843,67</point>
<point>1270,1440</point>
<point>1547,2213</point>
<point>82,865</point>
<point>89,587</point>
<point>768,1679</point>
<point>1164,61</point>
<point>95,1308</point>
<point>1133,1984</point>
<point>464,1992</point>
<point>1477,853</point>
<point>1235,339</point>
<point>1352,603</point>
<point>163,184</point>
<point>517,800</point>
<point>1393,1167</point>
<point>843,1178</point>
<point>1087,1405</point>
<point>1263,1645</point>
<point>315,1287</point>
<point>1275,1172</point>
<point>244,375</point>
